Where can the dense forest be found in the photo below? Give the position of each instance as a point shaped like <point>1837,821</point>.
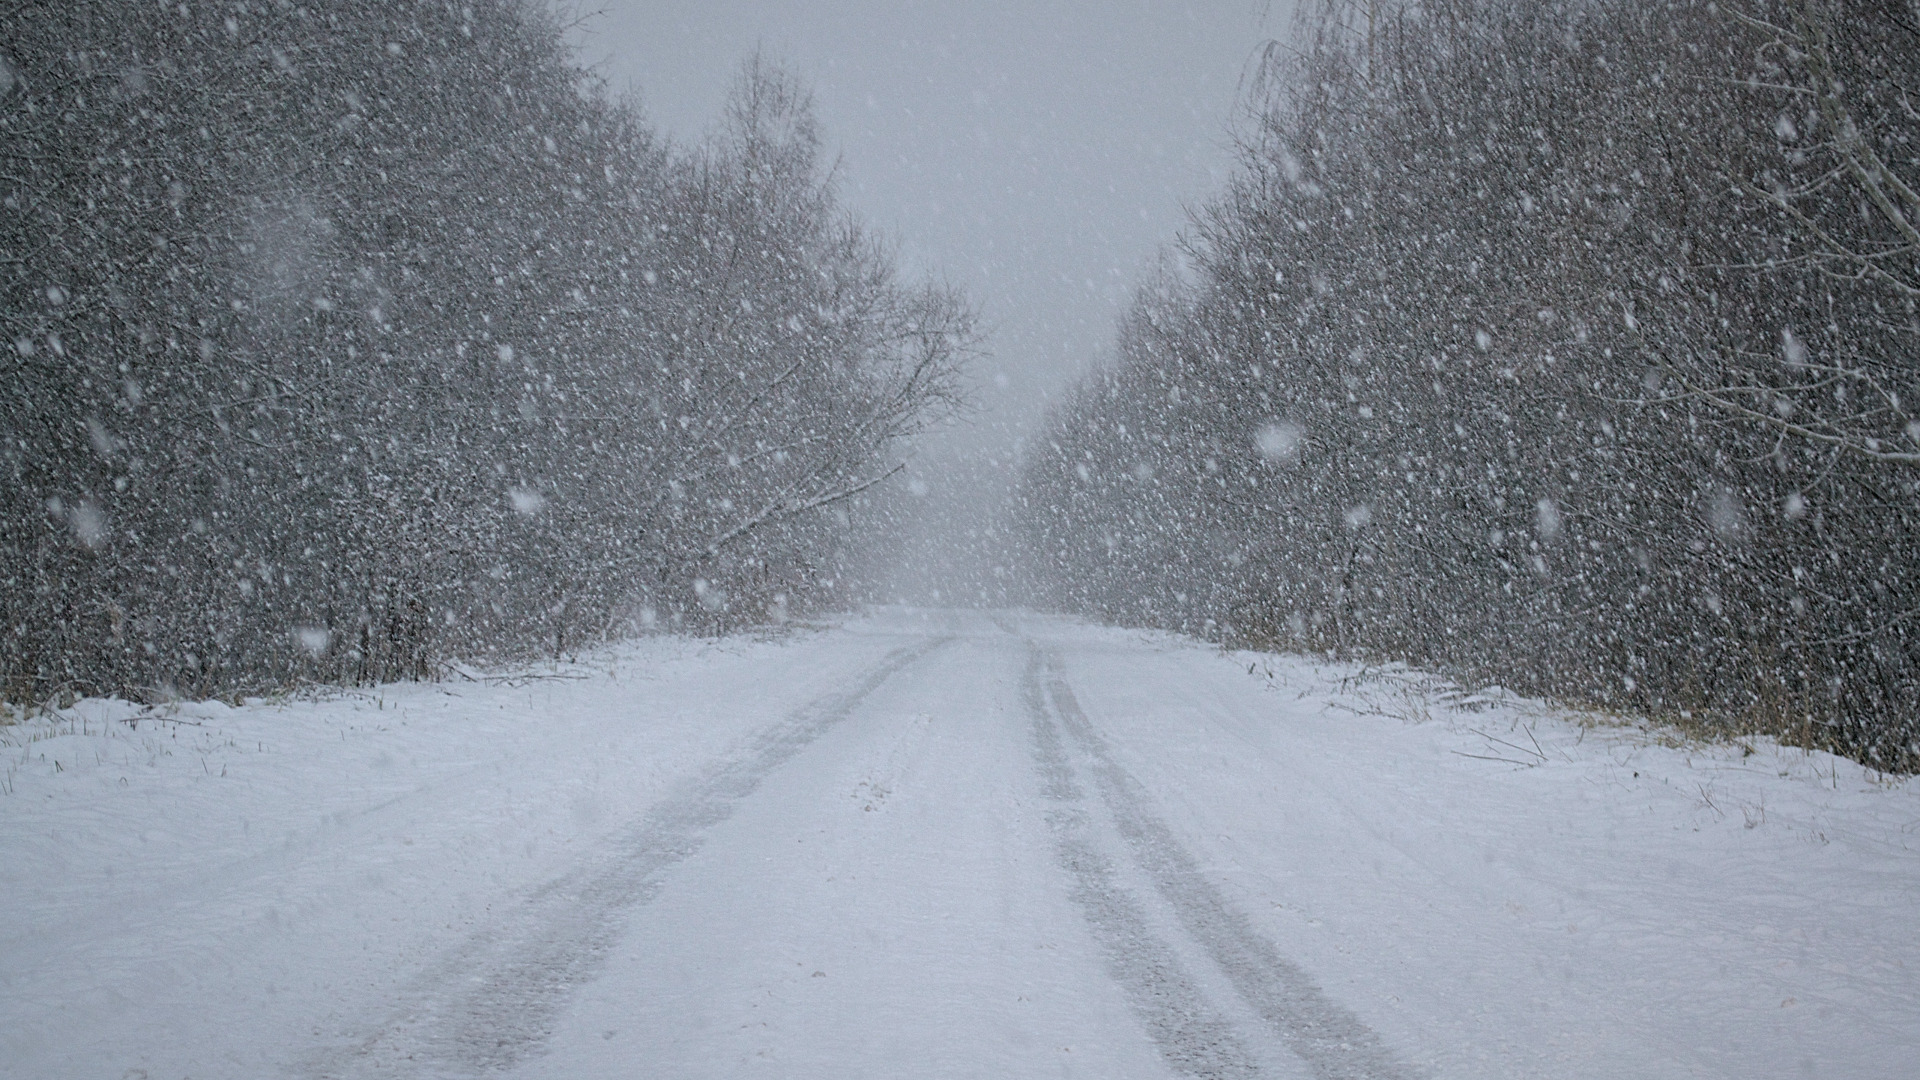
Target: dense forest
<point>1568,345</point>
<point>347,336</point>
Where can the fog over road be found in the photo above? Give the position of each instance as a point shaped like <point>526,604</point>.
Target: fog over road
<point>1039,155</point>
<point>933,843</point>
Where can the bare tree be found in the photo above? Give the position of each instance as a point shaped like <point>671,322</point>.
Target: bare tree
<point>1845,78</point>
<point>351,335</point>
<point>1502,353</point>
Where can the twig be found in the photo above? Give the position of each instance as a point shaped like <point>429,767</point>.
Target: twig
<point>1515,746</point>
<point>1536,742</point>
<point>1486,757</point>
<point>1708,799</point>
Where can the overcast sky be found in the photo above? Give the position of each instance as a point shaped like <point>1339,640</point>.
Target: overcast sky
<point>1036,154</point>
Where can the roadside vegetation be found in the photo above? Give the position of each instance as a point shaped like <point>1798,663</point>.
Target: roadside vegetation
<point>1565,346</point>
<point>343,337</point>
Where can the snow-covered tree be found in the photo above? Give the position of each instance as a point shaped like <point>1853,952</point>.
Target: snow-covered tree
<point>1515,347</point>
<point>349,335</point>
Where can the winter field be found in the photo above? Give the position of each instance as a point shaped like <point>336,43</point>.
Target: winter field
<point>929,843</point>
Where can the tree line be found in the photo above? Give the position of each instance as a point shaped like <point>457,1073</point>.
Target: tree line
<point>1570,346</point>
<point>346,336</point>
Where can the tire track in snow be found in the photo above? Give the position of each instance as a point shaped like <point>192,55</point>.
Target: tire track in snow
<point>491,1001</point>
<point>1335,1043</point>
<point>1193,1037</point>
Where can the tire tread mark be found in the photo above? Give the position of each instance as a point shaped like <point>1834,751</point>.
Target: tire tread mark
<point>1329,1037</point>
<point>491,1001</point>
<point>1192,1036</point>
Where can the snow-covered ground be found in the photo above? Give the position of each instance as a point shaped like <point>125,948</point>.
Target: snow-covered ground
<point>942,844</point>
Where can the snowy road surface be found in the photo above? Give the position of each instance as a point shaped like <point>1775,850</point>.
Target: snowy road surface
<point>930,844</point>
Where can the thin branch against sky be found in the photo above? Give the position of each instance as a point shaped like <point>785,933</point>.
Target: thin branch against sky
<point>1035,154</point>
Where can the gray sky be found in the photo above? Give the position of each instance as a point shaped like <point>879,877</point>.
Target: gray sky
<point>1036,154</point>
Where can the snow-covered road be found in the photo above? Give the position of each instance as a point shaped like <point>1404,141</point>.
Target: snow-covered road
<point>942,844</point>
